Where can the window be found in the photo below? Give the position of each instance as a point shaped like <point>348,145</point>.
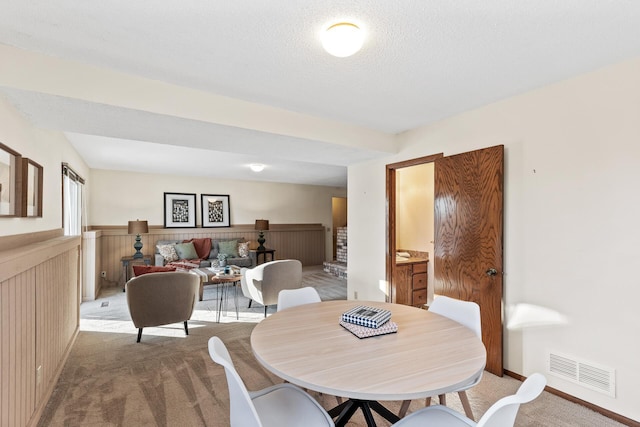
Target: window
<point>72,201</point>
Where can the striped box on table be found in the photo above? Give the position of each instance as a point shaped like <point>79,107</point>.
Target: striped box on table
<point>371,317</point>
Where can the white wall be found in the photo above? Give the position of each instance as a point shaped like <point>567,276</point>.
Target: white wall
<point>118,197</point>
<point>49,149</point>
<point>571,212</point>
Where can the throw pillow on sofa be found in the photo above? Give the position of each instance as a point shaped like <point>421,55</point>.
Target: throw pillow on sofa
<point>139,270</point>
<point>202,246</point>
<point>229,248</point>
<point>243,249</point>
<point>186,251</point>
<point>168,252</point>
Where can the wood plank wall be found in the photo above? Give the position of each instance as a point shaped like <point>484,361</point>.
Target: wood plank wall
<point>39,319</point>
<point>305,242</point>
<point>58,309</point>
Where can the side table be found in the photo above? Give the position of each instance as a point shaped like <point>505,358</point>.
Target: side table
<point>209,276</point>
<point>128,262</point>
<point>264,253</point>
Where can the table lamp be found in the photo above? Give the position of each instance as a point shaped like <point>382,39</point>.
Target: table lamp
<point>138,227</point>
<point>261,225</point>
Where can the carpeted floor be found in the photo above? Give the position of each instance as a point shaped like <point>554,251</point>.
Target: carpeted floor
<point>169,380</point>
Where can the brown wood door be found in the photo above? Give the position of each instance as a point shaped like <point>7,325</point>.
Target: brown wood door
<point>468,238</point>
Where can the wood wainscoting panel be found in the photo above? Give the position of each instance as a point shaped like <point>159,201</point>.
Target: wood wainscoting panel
<point>39,319</point>
<point>17,349</point>
<point>304,244</point>
<point>17,240</point>
<point>58,315</point>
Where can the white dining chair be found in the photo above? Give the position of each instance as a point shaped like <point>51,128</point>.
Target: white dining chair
<point>294,297</point>
<point>288,298</point>
<point>500,414</point>
<point>277,406</point>
<point>466,313</point>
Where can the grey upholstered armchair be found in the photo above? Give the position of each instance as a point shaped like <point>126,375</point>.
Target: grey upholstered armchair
<point>263,282</point>
<point>156,299</point>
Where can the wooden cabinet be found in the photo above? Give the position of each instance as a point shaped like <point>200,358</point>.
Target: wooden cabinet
<point>410,282</point>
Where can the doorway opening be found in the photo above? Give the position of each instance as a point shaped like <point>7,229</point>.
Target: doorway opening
<point>409,227</point>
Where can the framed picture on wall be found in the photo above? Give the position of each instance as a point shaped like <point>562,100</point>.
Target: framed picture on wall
<point>215,210</point>
<point>10,182</point>
<point>179,210</point>
<point>32,188</point>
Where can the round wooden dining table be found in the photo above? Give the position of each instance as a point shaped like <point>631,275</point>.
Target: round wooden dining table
<point>427,356</point>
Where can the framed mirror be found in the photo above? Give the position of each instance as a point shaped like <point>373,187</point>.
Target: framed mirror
<point>31,188</point>
<point>10,182</point>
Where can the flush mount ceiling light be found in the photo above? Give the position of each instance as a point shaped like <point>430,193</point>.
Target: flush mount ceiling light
<point>342,39</point>
<point>256,167</point>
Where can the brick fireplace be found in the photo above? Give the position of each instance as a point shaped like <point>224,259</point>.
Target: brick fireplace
<point>338,267</point>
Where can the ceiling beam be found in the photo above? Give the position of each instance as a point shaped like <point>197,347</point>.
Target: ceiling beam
<point>36,72</point>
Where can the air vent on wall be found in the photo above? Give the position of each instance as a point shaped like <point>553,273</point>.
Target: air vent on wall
<point>587,374</point>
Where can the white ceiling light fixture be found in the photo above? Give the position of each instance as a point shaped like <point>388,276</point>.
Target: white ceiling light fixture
<point>257,167</point>
<point>342,39</point>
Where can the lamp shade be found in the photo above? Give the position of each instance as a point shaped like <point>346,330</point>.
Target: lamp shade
<point>138,227</point>
<point>262,224</point>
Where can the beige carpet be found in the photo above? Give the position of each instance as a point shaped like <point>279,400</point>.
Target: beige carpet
<point>169,380</point>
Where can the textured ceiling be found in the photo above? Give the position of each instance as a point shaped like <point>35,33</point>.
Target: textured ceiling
<point>421,61</point>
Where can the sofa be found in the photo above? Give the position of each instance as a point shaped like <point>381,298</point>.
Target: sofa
<point>204,255</point>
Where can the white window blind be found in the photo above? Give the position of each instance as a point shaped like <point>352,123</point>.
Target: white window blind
<point>72,201</point>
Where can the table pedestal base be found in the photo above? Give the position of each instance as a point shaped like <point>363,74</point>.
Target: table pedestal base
<point>345,411</point>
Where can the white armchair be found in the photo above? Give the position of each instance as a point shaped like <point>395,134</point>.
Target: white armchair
<point>263,282</point>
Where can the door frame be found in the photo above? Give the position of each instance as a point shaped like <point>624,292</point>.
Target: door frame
<point>390,220</point>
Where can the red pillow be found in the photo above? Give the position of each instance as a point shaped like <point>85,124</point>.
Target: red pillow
<point>139,270</point>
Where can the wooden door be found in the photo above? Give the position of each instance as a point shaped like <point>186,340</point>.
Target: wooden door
<point>468,238</point>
